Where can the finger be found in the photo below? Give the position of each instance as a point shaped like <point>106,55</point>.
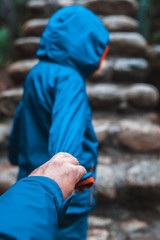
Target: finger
<point>80,172</point>
<point>71,160</point>
<point>64,154</point>
<point>60,155</point>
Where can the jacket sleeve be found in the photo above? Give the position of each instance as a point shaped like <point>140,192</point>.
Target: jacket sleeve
<point>30,209</point>
<point>68,123</point>
<point>14,137</point>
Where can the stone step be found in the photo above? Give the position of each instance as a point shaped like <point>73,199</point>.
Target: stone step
<point>43,8</point>
<point>127,44</point>
<point>8,175</point>
<point>120,137</point>
<point>107,97</point>
<point>123,98</point>
<point>151,116</point>
<point>125,180</point>
<point>123,44</point>
<point>123,70</point>
<point>153,53</point>
<point>125,135</point>
<point>5,129</point>
<point>110,7</point>
<point>126,222</point>
<point>96,233</point>
<point>129,180</point>
<point>119,23</point>
<point>18,70</point>
<point>8,102</point>
<point>35,27</point>
<point>123,170</point>
<point>26,47</point>
<point>4,161</point>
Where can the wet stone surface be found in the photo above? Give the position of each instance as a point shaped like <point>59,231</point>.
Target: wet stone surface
<point>97,234</point>
<point>105,182</point>
<point>99,222</point>
<point>147,95</point>
<point>153,53</point>
<point>124,70</point>
<point>133,225</point>
<point>8,102</point>
<point>8,175</point>
<point>19,70</point>
<point>130,69</point>
<point>101,129</point>
<point>44,8</point>
<point>109,7</point>
<point>34,27</point>
<point>103,95</point>
<point>144,174</point>
<point>119,23</point>
<point>5,129</point>
<point>122,44</point>
<point>137,179</point>
<point>26,47</point>
<point>138,136</point>
<point>130,221</point>
<point>127,44</point>
<point>112,96</point>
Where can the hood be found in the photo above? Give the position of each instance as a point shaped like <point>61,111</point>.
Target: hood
<point>75,37</point>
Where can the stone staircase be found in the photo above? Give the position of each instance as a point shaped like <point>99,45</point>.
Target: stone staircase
<point>125,117</point>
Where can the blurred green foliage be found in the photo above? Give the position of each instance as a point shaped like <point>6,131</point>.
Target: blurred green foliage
<point>149,20</point>
<point>156,37</point>
<point>144,17</point>
<point>12,16</point>
<point>5,43</point>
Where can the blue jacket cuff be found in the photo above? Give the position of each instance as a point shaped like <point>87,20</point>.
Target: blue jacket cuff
<point>53,188</point>
<point>50,186</point>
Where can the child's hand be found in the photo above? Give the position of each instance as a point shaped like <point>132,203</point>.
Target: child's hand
<point>64,169</point>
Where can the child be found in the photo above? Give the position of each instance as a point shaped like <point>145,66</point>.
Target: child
<point>54,114</point>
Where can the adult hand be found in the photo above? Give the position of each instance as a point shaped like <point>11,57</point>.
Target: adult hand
<point>64,169</point>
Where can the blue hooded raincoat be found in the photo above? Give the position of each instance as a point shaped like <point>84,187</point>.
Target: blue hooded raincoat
<point>54,114</point>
